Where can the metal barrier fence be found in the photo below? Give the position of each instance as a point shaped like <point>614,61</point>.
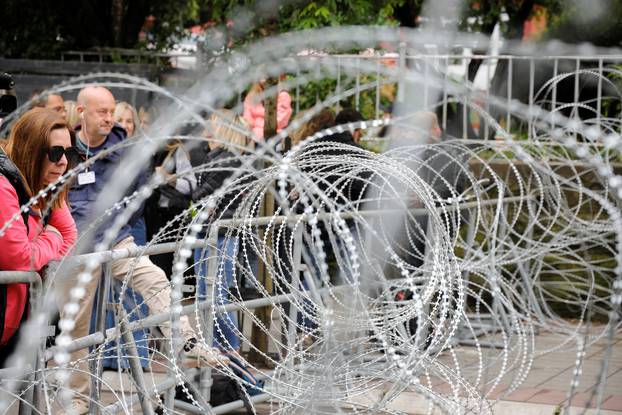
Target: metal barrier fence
<point>207,307</point>
<point>584,80</point>
<point>532,80</point>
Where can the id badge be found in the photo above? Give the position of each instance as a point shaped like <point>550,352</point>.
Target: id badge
<point>86,177</point>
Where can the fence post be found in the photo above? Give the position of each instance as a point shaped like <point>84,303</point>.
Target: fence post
<point>509,80</point>
<point>599,94</point>
<point>426,75</point>
<point>96,365</point>
<point>338,87</point>
<point>576,94</point>
<point>258,337</point>
<point>136,369</point>
<point>486,126</point>
<point>31,394</point>
<point>554,92</point>
<point>377,103</point>
<point>205,376</point>
<point>402,66</point>
<point>296,269</point>
<point>357,83</point>
<point>297,87</point>
<point>531,87</point>
<point>445,85</point>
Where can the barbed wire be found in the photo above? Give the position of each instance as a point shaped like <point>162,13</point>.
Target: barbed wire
<point>430,267</point>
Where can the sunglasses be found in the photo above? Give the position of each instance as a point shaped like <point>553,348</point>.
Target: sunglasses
<point>55,153</point>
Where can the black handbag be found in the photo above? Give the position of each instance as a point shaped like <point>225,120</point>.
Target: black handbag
<point>176,199</point>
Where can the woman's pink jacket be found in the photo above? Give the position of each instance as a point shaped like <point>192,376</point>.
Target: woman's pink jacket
<point>29,249</point>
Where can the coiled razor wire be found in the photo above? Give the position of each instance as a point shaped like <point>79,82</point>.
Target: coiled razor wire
<point>448,243</point>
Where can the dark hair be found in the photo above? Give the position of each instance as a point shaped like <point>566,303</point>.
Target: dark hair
<point>320,121</point>
<point>348,115</point>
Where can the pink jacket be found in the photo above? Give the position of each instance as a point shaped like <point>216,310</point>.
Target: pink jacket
<point>28,250</point>
<point>254,113</point>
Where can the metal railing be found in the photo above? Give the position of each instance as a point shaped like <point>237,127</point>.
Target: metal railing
<point>207,307</point>
<point>507,77</point>
<point>119,55</point>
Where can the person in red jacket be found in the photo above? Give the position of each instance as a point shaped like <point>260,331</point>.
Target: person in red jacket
<point>37,154</point>
<point>255,113</point>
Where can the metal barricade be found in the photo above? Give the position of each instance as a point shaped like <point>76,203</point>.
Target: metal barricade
<point>208,307</point>
<point>30,371</point>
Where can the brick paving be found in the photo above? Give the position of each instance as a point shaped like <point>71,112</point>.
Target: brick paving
<point>542,392</point>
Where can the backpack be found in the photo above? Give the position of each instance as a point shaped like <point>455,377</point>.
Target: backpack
<point>8,170</point>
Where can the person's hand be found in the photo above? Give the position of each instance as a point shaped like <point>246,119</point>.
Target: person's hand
<point>160,170</point>
<point>168,177</point>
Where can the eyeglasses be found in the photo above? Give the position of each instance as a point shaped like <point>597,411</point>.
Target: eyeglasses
<point>55,153</point>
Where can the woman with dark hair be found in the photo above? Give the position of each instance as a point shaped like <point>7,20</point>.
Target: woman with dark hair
<point>38,152</point>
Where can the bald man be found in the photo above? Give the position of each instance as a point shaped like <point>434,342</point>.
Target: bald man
<point>97,135</point>
<point>95,108</point>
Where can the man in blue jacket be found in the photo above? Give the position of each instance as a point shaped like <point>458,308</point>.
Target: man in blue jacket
<point>97,134</point>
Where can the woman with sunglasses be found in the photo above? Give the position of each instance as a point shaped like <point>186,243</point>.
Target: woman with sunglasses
<point>36,155</point>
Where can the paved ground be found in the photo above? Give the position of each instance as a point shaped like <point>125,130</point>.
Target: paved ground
<point>543,392</point>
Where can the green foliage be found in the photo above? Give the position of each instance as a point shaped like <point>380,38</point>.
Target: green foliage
<point>172,18</point>
<point>597,23</point>
<point>612,107</point>
<point>339,12</point>
<point>29,30</point>
<point>482,15</point>
<point>566,275</point>
<point>42,29</point>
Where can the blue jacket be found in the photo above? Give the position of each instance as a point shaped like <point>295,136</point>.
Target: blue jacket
<point>82,198</point>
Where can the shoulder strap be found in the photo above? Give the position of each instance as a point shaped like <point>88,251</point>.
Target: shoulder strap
<point>9,170</point>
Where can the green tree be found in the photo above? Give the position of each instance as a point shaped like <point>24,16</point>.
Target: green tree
<point>596,22</point>
<point>256,18</point>
<point>42,29</point>
<point>483,15</point>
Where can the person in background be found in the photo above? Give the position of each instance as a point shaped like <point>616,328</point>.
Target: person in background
<point>54,102</point>
<point>255,112</point>
<point>73,118</point>
<point>307,318</point>
<point>228,144</point>
<point>145,118</point>
<point>347,116</point>
<point>350,191</point>
<point>171,198</point>
<point>341,180</point>
<point>432,164</point>
<point>39,151</point>
<point>132,302</point>
<point>126,116</point>
<point>96,138</point>
<point>428,129</point>
<point>320,121</point>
